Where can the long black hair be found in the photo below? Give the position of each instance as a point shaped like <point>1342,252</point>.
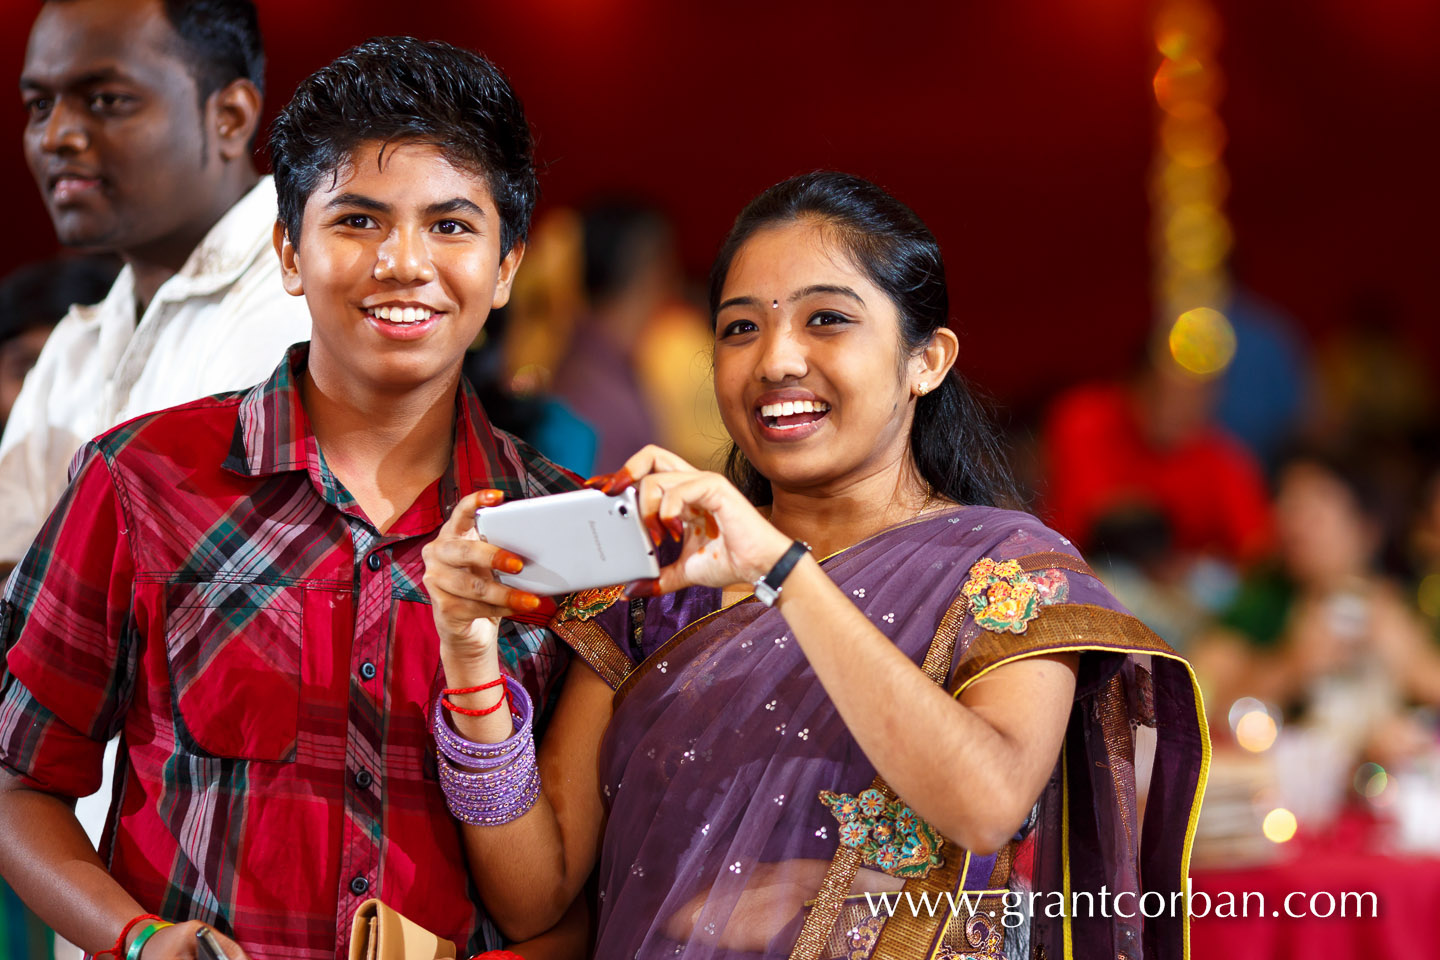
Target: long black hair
<point>952,440</point>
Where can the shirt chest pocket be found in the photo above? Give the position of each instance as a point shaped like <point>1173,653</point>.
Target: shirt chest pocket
<point>234,656</point>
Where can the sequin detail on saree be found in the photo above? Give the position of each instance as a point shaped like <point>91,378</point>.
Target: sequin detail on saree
<point>1004,598</point>
<point>888,834</point>
<point>584,604</point>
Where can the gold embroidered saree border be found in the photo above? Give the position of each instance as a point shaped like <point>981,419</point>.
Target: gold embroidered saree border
<point>1092,629</point>
<point>593,645</point>
<point>1054,559</point>
<point>1062,627</point>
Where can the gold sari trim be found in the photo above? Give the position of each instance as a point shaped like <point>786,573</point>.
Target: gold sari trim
<point>815,934</point>
<point>1054,559</point>
<point>593,645</point>
<point>1060,628</point>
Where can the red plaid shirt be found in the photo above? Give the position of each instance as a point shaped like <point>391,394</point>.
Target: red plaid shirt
<point>208,590</point>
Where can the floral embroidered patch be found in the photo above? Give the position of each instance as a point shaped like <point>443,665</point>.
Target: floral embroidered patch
<point>584,604</point>
<point>1005,598</point>
<point>888,834</point>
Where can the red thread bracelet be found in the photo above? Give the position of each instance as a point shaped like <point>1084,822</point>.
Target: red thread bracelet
<point>504,699</point>
<point>483,686</point>
<point>118,950</point>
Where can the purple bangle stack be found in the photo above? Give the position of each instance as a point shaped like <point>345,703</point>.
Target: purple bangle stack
<point>488,784</point>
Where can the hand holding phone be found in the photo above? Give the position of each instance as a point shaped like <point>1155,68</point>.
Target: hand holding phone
<point>570,541</point>
<point>208,947</point>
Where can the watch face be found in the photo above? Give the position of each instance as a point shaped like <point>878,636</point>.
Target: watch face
<point>765,593</point>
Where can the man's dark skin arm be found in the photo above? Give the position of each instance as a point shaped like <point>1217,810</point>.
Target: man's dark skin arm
<point>48,860</point>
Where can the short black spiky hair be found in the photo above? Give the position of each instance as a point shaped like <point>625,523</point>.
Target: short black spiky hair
<point>400,88</point>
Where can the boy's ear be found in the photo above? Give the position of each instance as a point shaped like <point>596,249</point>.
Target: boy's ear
<point>289,260</point>
<point>506,280</point>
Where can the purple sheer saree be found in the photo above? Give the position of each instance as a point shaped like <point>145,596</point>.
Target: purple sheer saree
<point>718,844</point>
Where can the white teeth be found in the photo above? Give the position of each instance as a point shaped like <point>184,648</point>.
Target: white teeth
<point>401,314</point>
<point>789,407</point>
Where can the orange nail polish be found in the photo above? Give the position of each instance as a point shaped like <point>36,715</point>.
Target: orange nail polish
<point>652,524</point>
<point>676,526</point>
<point>489,498</point>
<point>599,480</point>
<point>520,600</point>
<point>618,481</point>
<point>712,529</point>
<point>507,562</point>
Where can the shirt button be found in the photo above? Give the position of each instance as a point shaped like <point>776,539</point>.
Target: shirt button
<point>367,671</point>
<point>359,885</point>
<point>374,562</point>
<point>363,778</point>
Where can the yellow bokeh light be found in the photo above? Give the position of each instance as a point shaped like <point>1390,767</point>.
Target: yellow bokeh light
<point>1198,236</point>
<point>1178,185</point>
<point>1182,289</point>
<point>1196,139</point>
<point>1184,81</point>
<point>1279,825</point>
<point>1202,341</point>
<point>1256,731</point>
<point>1429,596</point>
<point>1186,28</point>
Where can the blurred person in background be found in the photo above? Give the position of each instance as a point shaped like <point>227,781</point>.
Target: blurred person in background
<point>1152,445</point>
<point>1324,633</point>
<point>1142,475</point>
<point>141,120</point>
<point>32,300</point>
<point>636,362</point>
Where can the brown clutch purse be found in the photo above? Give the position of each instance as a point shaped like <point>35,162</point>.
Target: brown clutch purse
<point>381,933</point>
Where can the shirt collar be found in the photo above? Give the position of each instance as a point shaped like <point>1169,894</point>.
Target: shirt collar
<point>273,435</point>
<point>238,238</point>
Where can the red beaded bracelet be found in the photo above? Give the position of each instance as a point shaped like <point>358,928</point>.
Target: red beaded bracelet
<point>118,950</point>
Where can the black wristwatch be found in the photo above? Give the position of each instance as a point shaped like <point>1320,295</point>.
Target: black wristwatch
<point>767,588</point>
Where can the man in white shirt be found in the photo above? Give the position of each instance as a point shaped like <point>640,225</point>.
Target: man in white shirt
<point>141,122</point>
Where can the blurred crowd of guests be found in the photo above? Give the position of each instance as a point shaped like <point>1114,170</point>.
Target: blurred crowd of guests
<point>1280,525</point>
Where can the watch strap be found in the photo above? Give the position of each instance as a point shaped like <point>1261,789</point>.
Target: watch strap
<point>767,588</point>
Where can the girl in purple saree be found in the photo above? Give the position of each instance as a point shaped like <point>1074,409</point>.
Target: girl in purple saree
<point>913,735</point>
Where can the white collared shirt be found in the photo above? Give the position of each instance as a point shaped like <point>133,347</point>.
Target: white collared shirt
<point>222,323</point>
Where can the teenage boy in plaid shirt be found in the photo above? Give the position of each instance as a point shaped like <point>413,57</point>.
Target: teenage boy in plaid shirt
<point>233,585</point>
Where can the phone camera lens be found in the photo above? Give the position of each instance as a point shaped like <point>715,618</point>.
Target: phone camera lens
<point>624,510</point>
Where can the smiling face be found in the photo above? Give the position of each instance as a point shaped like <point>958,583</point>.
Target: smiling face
<point>399,261</point>
<point>809,371</point>
<point>114,136</point>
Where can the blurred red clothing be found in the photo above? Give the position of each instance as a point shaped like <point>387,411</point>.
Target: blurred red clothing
<point>1209,488</point>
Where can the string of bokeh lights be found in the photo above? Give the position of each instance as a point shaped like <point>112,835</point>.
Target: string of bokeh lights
<point>1191,234</point>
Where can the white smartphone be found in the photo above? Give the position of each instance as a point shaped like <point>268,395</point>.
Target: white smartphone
<point>571,541</point>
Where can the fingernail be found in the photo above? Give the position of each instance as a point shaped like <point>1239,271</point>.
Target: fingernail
<point>676,526</point>
<point>617,481</point>
<point>642,588</point>
<point>652,524</point>
<point>599,480</point>
<point>712,529</point>
<point>489,498</point>
<point>507,562</point>
<point>520,600</point>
